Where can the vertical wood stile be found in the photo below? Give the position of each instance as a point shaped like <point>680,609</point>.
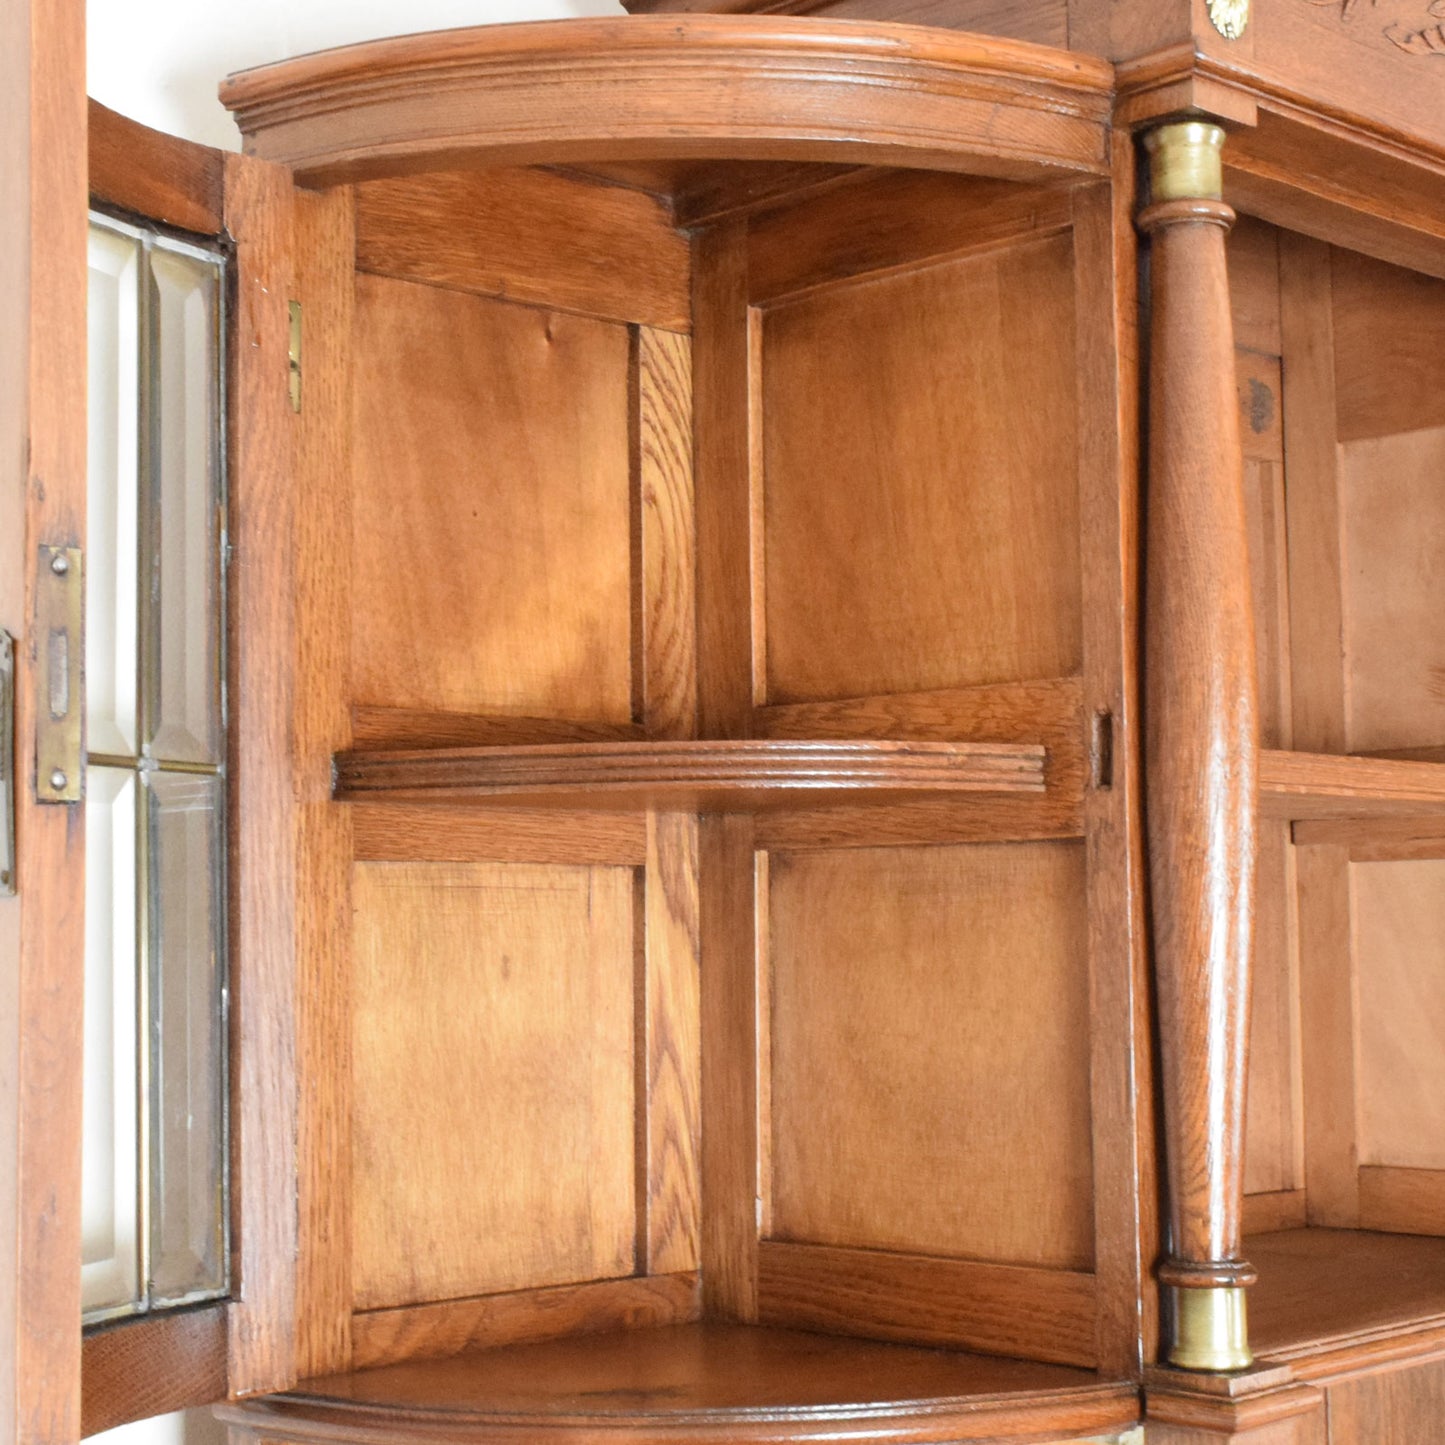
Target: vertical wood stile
<point>1201,742</point>
<point>1125,1226</point>
<point>42,500</point>
<point>260,215</point>
<point>324,284</point>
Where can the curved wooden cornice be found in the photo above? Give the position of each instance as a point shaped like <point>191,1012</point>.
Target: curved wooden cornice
<point>716,86</point>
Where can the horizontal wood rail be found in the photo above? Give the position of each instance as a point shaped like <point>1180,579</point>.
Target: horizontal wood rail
<point>739,776</point>
<point>1303,786</point>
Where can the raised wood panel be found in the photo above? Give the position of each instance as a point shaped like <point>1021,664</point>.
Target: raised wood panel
<point>1399,936</point>
<point>1390,363</point>
<point>920,479</point>
<point>1402,1201</point>
<point>1274,1123</point>
<point>953,981</point>
<point>492,514</point>
<point>1038,1314</point>
<point>492,1078</point>
<point>537,236</point>
<point>1407,1403</point>
<point>1392,512</point>
<point>892,220</point>
<point>437,1331</point>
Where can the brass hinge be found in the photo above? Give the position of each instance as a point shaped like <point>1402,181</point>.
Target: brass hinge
<point>294,354</point>
<point>59,604</point>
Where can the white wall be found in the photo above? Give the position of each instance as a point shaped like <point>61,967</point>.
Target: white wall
<point>159,61</point>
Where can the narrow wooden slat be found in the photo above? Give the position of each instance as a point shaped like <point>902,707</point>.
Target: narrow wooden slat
<point>147,1367</point>
<point>668,578</point>
<point>153,174</point>
<point>727,776</point>
<point>431,1332</point>
<point>1126,1226</point>
<point>529,235</point>
<point>412,832</point>
<point>323,284</point>
<point>1377,840</point>
<point>729,1012</point>
<point>1001,819</point>
<point>1302,786</point>
<point>892,221</point>
<point>1041,1314</point>
<point>720,361</point>
<point>673,1046</point>
<point>1328,1036</point>
<point>1402,1201</point>
<point>42,500</point>
<point>259,213</point>
<point>1316,603</point>
<point>399,727</point>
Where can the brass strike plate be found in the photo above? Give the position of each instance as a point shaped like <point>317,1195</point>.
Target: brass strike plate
<point>60,595</point>
<point>7,765</point>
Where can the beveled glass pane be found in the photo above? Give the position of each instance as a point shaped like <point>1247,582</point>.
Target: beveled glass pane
<point>183,688</point>
<point>188,1121</point>
<point>113,320</point>
<point>110,1186</point>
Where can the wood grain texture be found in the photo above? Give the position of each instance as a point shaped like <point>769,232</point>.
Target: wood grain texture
<point>1301,786</point>
<point>1201,742</point>
<point>889,221</point>
<point>722,390</point>
<point>705,1384</point>
<point>1322,1290</point>
<point>1398,917</point>
<point>666,87</point>
<point>529,235</point>
<point>916,1147</point>
<point>491,507</point>
<point>1281,1209</point>
<point>672,1078</point>
<point>1393,523</point>
<point>1312,497</point>
<point>728,955</point>
<point>1402,1201</point>
<point>323,283</point>
<point>1329,1042</point>
<point>720,776</point>
<point>150,173</point>
<point>42,499</point>
<point>1388,1405</point>
<point>415,832</point>
<point>400,727</point>
<point>174,1361</point>
<point>1034,1314</point>
<point>493,1022</point>
<point>262,621</point>
<point>666,522</point>
<point>1126,1224</point>
<point>944,549</point>
<point>437,1331</point>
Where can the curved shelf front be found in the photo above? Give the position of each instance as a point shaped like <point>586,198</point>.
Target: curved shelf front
<point>703,1384</point>
<point>745,776</point>
<point>662,87</point>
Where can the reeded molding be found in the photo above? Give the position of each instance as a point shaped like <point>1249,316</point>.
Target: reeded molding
<point>715,86</point>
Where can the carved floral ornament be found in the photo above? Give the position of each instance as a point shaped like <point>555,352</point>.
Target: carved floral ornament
<point>1420,30</point>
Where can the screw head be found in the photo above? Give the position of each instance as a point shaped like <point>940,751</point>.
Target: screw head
<point>58,780</point>
<point>60,564</point>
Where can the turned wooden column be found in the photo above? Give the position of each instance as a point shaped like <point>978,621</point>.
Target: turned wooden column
<point>1201,742</point>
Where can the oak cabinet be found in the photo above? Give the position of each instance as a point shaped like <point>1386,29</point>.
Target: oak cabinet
<point>809,625</point>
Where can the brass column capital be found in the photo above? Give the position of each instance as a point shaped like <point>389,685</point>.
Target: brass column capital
<point>1186,175</point>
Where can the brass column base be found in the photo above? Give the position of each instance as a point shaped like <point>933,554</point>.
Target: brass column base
<point>1211,1330</point>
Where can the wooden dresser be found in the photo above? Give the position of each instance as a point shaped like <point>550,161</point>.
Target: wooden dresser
<point>839,798</point>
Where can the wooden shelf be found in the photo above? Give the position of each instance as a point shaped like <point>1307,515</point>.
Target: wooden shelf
<point>703,1383</point>
<point>1303,786</point>
<point>714,776</point>
<point>1324,1292</point>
